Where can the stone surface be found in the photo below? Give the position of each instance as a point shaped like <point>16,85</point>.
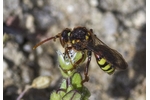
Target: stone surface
<point>119,24</point>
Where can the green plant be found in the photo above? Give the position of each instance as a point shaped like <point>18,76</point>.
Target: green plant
<point>71,87</point>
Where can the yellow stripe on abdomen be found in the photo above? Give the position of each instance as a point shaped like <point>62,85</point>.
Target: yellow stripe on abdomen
<point>102,61</point>
<point>111,70</point>
<point>105,66</point>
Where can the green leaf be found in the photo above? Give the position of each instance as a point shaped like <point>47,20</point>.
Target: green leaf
<point>72,95</point>
<point>76,80</point>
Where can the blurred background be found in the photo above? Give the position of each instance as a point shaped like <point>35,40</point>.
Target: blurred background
<point>121,24</point>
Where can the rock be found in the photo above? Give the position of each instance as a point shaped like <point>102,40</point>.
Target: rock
<point>45,61</point>
<point>10,7</point>
<point>124,7</point>
<point>27,48</point>
<point>39,50</point>
<point>136,19</point>
<point>139,19</point>
<point>109,24</point>
<point>27,4</point>
<point>43,18</point>
<point>45,72</point>
<point>31,57</point>
<point>29,23</point>
<point>12,53</point>
<point>27,74</point>
<point>5,66</point>
<point>93,3</point>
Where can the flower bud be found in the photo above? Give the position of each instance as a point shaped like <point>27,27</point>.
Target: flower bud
<point>41,82</point>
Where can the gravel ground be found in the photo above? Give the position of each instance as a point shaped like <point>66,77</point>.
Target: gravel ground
<point>119,24</point>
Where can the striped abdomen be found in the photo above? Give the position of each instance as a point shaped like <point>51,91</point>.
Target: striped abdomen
<point>105,66</point>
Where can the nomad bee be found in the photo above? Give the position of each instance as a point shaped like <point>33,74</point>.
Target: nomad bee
<point>84,40</point>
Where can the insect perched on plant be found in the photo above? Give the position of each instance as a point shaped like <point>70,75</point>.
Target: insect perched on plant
<point>84,40</point>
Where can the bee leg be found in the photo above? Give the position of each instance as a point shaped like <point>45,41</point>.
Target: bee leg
<point>86,78</point>
<point>67,53</point>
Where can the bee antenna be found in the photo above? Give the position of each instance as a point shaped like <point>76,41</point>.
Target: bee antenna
<point>57,36</point>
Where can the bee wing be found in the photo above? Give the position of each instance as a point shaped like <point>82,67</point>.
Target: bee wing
<point>97,41</point>
<point>111,55</point>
